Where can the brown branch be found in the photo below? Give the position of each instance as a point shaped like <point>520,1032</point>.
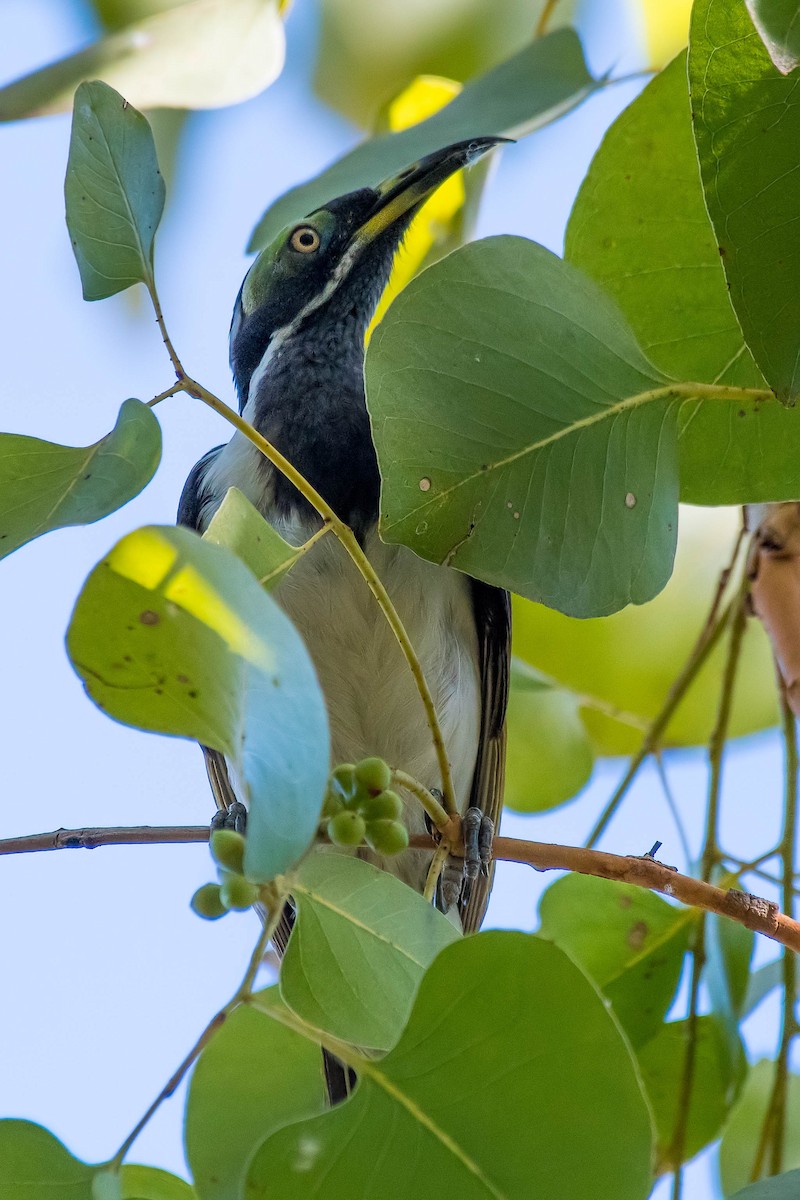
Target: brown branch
<point>752,911</point>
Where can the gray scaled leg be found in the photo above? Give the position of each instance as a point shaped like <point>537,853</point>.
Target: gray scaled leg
<point>478,837</point>
<point>234,817</point>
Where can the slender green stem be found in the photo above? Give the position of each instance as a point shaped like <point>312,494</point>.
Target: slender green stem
<point>348,539</point>
<point>176,387</point>
<point>709,859</point>
<point>299,552</point>
<point>439,815</point>
<point>544,18</point>
<point>241,995</point>
<point>173,357</point>
<point>774,1128</point>
<point>435,869</point>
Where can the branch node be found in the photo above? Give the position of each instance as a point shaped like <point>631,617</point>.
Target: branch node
<point>754,911</point>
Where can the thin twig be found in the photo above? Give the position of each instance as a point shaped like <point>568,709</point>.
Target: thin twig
<point>709,859</point>
<point>242,994</point>
<point>753,912</point>
<point>544,18</point>
<point>176,387</point>
<point>439,815</point>
<point>706,640</point>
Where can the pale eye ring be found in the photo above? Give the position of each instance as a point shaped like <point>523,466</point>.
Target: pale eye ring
<point>304,239</point>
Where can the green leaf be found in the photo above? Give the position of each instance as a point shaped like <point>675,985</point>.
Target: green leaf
<point>761,983</point>
<point>739,1149</point>
<point>626,691</point>
<point>628,940</point>
<point>521,434</point>
<point>667,277</point>
<point>359,948</point>
<point>173,634</point>
<point>367,51</point>
<point>747,128</point>
<point>504,1023</point>
<point>778,25</point>
<point>549,756</point>
<point>729,950</point>
<point>203,54</point>
<point>34,1163</point>
<point>239,525</point>
<point>662,1063</point>
<point>151,1183</point>
<point>45,486</point>
<point>540,83</point>
<point>254,1076</point>
<point>114,192</point>
<point>779,1187</point>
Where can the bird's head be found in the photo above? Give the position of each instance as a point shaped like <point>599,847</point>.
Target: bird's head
<point>330,268</point>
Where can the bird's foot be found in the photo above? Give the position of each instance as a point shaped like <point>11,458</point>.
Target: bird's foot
<point>234,817</point>
<point>458,875</point>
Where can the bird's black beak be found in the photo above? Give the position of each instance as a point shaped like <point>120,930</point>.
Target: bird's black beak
<point>400,196</point>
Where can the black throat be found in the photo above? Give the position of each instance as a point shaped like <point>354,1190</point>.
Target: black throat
<point>310,404</point>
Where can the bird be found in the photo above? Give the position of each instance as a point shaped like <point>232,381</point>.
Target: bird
<point>297,347</point>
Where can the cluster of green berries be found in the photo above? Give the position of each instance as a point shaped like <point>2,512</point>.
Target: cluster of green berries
<point>213,900</point>
<point>359,806</point>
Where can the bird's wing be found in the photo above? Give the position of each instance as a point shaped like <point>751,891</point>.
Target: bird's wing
<point>492,609</point>
<point>193,496</point>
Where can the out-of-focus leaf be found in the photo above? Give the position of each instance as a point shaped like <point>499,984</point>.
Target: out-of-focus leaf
<point>739,1148</point>
<point>779,1187</point>
<point>628,940</point>
<point>360,945</point>
<point>252,1077</point>
<point>542,82</point>
<point>239,525</point>
<point>173,634</point>
<point>522,435</point>
<point>639,226</point>
<point>760,984</point>
<point>503,1023</point>
<point>35,1165</point>
<point>549,756</point>
<point>729,950</point>
<point>662,1061</point>
<point>151,1183</point>
<point>201,54</point>
<point>747,129</point>
<point>665,28</point>
<point>629,660</point>
<point>45,486</point>
<point>437,226</point>
<point>368,51</point>
<point>114,192</point>
<point>778,25</point>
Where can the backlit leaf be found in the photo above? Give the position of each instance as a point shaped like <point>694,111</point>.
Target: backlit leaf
<point>173,634</point>
<point>45,486</point>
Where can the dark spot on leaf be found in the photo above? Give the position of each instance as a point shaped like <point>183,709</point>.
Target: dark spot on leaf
<point>742,412</point>
<point>637,935</point>
<point>89,476</point>
<point>148,617</point>
<point>624,901</point>
<point>722,251</point>
<point>276,681</point>
<point>193,695</point>
<point>182,678</point>
<point>159,691</point>
<point>127,658</point>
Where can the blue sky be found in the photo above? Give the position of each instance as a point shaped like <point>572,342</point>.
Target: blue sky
<point>109,977</point>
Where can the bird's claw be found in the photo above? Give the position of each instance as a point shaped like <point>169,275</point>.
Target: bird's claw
<point>478,830</point>
<point>233,817</point>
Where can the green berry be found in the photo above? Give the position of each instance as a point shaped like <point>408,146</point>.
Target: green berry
<point>207,902</point>
<point>343,781</point>
<point>387,837</point>
<point>347,828</point>
<point>374,775</point>
<point>237,892</point>
<point>386,806</point>
<point>333,803</point>
<point>227,850</point>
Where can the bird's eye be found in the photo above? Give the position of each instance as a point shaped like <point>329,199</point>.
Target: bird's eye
<point>304,239</point>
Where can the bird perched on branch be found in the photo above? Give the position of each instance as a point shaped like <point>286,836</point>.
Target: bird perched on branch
<point>297,354</point>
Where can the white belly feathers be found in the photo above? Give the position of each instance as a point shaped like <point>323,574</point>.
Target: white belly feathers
<point>372,700</point>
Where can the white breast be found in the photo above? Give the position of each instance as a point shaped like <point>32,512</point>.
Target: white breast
<point>373,703</point>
